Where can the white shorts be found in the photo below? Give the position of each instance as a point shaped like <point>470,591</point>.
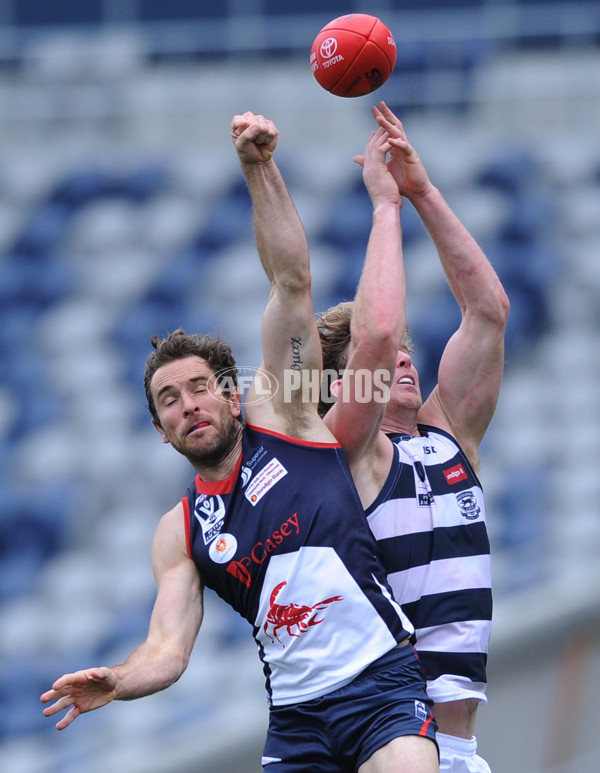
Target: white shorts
<point>459,755</point>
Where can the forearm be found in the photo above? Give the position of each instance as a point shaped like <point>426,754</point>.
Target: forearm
<point>379,315</point>
<point>147,670</point>
<point>279,233</point>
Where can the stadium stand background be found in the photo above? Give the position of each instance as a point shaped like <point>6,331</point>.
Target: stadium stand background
<point>123,213</point>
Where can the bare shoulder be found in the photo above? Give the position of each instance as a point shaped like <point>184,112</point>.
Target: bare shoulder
<point>298,420</point>
<point>169,543</point>
<point>433,414</point>
<point>173,519</point>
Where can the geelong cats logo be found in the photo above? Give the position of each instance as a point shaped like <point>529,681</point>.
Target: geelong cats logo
<point>469,506</point>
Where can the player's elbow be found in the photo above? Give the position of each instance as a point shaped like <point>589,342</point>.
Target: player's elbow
<point>501,306</point>
<point>296,282</point>
<point>493,307</point>
<point>380,333</point>
<point>172,668</point>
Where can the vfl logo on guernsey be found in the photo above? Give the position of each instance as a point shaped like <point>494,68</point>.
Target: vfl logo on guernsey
<point>295,618</point>
<point>266,479</point>
<point>210,512</point>
<point>455,474</point>
<point>469,506</point>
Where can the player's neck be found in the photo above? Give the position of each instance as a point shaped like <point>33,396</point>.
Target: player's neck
<point>398,421</point>
<point>221,468</point>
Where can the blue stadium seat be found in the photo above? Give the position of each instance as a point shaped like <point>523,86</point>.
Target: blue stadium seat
<point>56,13</point>
<point>329,9</point>
<point>523,529</point>
<point>30,280</point>
<point>134,328</point>
<point>129,629</point>
<point>527,271</point>
<point>229,221</point>
<point>44,230</point>
<point>510,171</point>
<point>178,10</point>
<point>32,530</point>
<point>85,185</point>
<point>182,271</point>
<point>142,183</point>
<point>350,221</point>
<point>431,328</point>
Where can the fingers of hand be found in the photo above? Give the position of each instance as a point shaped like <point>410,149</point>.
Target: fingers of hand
<point>377,140</point>
<point>402,147</point>
<point>60,689</point>
<point>386,119</point>
<point>259,129</point>
<point>264,137</point>
<point>68,718</point>
<point>394,129</point>
<point>59,705</point>
<point>253,128</point>
<point>238,124</point>
<point>388,114</point>
<point>377,147</point>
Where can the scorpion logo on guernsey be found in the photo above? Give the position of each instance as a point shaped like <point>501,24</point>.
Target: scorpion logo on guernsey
<point>291,616</point>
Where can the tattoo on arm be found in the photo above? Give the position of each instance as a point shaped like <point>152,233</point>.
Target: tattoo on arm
<point>296,358</point>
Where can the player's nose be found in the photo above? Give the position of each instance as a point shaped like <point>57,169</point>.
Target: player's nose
<point>403,359</point>
<point>189,403</point>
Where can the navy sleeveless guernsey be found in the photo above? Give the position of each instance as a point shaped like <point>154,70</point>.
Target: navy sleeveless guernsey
<point>285,542</point>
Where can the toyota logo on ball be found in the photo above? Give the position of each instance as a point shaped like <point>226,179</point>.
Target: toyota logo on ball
<point>328,48</point>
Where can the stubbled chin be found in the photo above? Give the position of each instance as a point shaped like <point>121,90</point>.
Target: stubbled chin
<point>409,398</point>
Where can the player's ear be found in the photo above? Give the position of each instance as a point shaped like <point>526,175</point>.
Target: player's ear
<point>235,399</point>
<point>335,387</point>
<point>160,431</point>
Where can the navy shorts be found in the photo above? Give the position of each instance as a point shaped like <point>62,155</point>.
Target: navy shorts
<point>339,731</point>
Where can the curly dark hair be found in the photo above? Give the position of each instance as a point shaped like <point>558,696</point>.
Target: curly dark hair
<point>178,345</point>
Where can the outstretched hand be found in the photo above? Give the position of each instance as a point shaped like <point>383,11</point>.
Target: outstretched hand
<point>378,180</point>
<point>80,692</point>
<point>405,164</point>
<point>254,137</point>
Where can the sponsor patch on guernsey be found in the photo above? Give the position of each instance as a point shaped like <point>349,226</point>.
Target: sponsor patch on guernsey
<point>264,480</point>
<point>223,548</point>
<point>455,474</point>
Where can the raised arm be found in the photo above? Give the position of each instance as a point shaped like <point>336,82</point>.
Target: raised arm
<point>470,371</point>
<point>163,657</point>
<point>291,349</point>
<point>378,323</point>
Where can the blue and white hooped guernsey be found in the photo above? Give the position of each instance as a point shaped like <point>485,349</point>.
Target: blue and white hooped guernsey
<point>429,522</point>
<point>285,542</point>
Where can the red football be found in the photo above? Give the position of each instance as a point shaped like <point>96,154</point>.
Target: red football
<point>353,55</point>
